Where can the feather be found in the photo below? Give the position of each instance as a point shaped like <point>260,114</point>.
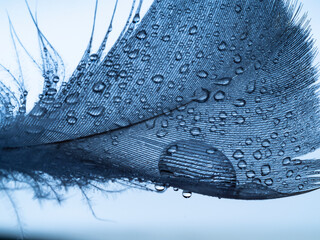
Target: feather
<point>213,97</point>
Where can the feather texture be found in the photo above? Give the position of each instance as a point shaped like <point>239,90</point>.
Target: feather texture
<point>214,97</point>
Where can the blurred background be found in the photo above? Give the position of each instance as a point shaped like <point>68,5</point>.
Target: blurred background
<point>133,214</point>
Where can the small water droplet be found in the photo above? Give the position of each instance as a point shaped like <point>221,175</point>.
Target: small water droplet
<point>265,143</point>
<point>38,112</point>
<point>161,133</point>
<point>96,111</point>
<point>223,81</point>
<point>202,95</point>
<point>166,38</point>
<point>98,86</point>
<point>265,170</point>
<point>72,98</point>
<point>193,30</point>
<point>289,173</point>
<point>158,78</point>
<point>250,174</point>
<point>268,182</point>
<point>202,74</point>
<point>219,96</point>
<point>286,161</point>
<point>141,34</point>
<point>237,58</point>
<point>257,155</point>
<point>160,188</point>
<point>240,103</point>
<point>136,18</point>
<point>186,194</point>
<point>195,131</point>
<point>238,154</point>
<point>184,68</point>
<point>222,46</point>
<point>242,164</point>
<point>71,120</point>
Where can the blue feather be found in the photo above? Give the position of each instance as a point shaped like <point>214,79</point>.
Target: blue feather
<point>213,97</point>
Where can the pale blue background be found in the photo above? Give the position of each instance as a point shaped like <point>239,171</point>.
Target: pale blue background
<point>137,214</point>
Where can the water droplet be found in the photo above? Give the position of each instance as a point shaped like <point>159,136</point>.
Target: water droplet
<point>286,161</point>
<point>237,58</point>
<point>161,133</point>
<point>289,173</point>
<point>265,170</point>
<point>202,95</point>
<point>71,120</point>
<point>222,46</point>
<point>240,103</point>
<point>186,194</point>
<point>199,54</point>
<point>265,143</point>
<point>238,8</point>
<point>195,131</point>
<point>136,18</point>
<point>178,56</point>
<point>251,87</point>
<point>172,149</point>
<point>238,154</point>
<point>250,174</point>
<point>38,112</point>
<point>141,35</point>
<point>268,182</point>
<point>133,54</point>
<point>98,86</point>
<point>257,155</point>
<point>51,91</point>
<point>239,70</point>
<point>160,188</point>
<point>223,81</point>
<point>202,74</point>
<point>158,78</point>
<point>72,98</point>
<point>184,68</point>
<point>94,57</point>
<point>96,111</point>
<point>242,164</point>
<point>166,38</point>
<point>249,141</point>
<point>193,30</point>
<point>219,96</point>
